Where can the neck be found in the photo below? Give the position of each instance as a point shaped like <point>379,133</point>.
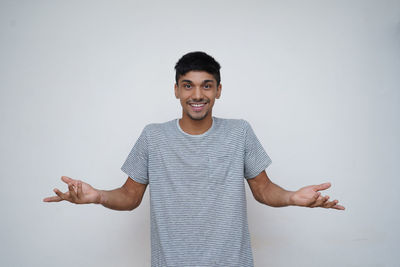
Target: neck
<point>195,127</point>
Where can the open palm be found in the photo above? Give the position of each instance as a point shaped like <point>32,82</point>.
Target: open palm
<point>309,196</point>
<point>78,192</point>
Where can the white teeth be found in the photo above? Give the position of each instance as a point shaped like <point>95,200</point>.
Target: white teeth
<point>197,105</point>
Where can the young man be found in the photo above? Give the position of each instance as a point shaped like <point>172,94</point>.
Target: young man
<point>195,167</point>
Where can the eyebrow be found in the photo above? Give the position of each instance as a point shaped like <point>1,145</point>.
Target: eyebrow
<point>189,81</point>
<point>208,81</point>
<point>186,81</point>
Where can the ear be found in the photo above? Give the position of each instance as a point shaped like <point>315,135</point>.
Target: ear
<point>176,91</point>
<point>219,89</point>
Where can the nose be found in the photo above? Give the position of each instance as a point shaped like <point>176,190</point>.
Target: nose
<point>197,93</point>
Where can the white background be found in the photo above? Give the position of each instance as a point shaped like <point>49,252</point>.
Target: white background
<point>317,80</point>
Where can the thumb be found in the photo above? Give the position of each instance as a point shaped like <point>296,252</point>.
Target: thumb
<point>66,179</point>
<point>323,186</point>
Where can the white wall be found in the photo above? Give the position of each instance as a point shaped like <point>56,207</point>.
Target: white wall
<point>318,81</point>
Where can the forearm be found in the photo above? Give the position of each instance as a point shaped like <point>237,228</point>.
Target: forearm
<point>268,193</point>
<point>118,199</point>
<point>275,196</point>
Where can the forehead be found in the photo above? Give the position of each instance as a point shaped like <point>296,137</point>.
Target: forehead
<point>197,76</point>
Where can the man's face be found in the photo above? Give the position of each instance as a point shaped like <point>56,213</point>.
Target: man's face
<point>197,91</point>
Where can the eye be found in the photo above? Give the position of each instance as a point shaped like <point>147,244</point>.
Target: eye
<point>187,86</point>
<point>207,86</point>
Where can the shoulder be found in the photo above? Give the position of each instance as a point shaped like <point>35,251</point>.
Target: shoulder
<point>154,128</point>
<point>233,124</point>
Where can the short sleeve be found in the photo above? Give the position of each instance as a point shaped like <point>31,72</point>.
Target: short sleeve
<point>255,158</point>
<point>136,164</point>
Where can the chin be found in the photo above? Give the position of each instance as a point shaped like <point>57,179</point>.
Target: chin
<point>197,118</point>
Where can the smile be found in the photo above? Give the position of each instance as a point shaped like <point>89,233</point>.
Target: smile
<point>197,106</point>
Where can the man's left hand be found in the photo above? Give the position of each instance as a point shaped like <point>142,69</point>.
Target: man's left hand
<point>310,196</point>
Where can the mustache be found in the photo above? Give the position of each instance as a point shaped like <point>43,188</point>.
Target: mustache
<point>198,101</point>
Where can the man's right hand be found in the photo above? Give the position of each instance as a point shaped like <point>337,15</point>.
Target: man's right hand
<point>78,193</point>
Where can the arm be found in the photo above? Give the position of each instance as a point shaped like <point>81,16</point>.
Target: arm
<point>266,192</point>
<point>127,197</point>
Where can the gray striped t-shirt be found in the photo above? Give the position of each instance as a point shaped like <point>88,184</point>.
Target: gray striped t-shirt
<point>197,191</point>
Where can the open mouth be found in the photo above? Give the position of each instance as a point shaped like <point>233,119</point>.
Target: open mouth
<point>198,106</point>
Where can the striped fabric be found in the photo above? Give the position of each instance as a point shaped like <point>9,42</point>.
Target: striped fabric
<point>197,193</point>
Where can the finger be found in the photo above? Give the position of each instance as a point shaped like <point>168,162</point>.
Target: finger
<point>320,201</point>
<point>330,204</point>
<point>339,207</point>
<point>323,186</point>
<point>316,196</point>
<point>64,196</point>
<point>72,192</point>
<point>67,179</point>
<point>336,206</point>
<point>80,192</point>
<point>324,201</point>
<point>52,199</point>
<point>313,199</point>
<point>333,205</point>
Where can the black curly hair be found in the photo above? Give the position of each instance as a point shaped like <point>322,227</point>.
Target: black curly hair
<point>199,61</point>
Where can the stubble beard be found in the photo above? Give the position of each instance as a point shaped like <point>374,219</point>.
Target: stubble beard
<point>197,118</point>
